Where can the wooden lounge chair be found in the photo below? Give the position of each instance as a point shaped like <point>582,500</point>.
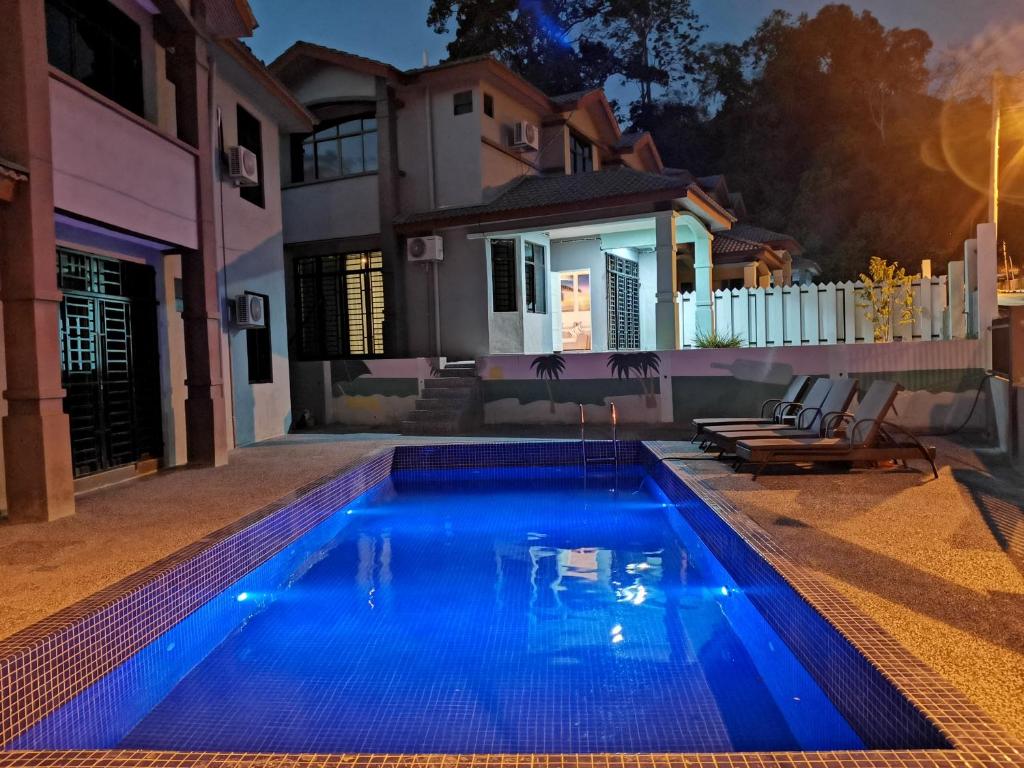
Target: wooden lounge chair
<point>808,422</point>
<point>864,435</point>
<point>773,411</point>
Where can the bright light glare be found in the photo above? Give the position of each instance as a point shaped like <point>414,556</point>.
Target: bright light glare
<point>242,597</point>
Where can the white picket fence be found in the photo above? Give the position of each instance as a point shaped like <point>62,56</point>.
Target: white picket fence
<point>812,314</point>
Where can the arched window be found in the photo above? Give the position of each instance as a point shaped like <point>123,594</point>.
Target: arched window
<point>341,148</point>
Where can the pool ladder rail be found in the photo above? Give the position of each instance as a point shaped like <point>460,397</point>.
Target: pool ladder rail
<point>588,460</point>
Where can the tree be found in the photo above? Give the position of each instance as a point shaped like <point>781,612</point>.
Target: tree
<point>823,122</point>
<point>653,43</point>
<point>540,39</point>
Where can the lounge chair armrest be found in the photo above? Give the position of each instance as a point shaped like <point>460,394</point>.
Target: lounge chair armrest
<point>832,421</point>
<point>784,410</point>
<point>800,417</point>
<point>769,406</point>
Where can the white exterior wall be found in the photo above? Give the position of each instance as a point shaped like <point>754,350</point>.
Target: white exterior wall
<point>252,259</point>
<point>464,284</point>
<point>569,255</point>
<point>457,167</point>
<point>321,210</point>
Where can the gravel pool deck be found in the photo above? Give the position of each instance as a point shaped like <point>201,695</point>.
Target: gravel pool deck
<point>938,563</point>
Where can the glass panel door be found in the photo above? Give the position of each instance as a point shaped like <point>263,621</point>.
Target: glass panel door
<point>577,331</point>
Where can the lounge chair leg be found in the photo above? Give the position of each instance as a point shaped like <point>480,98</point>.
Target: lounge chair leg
<point>737,465</point>
<point>757,472</point>
<point>694,438</point>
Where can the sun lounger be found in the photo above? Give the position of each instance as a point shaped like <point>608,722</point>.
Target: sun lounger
<point>773,411</point>
<point>864,435</point>
<point>808,422</point>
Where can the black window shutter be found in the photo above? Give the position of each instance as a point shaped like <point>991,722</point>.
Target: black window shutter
<point>503,275</point>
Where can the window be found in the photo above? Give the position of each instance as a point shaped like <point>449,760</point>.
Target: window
<point>342,149</point>
<point>463,102</point>
<point>257,342</point>
<point>488,105</point>
<point>503,275</point>
<point>250,136</point>
<point>98,45</point>
<point>339,305</point>
<point>581,154</point>
<point>536,279</point>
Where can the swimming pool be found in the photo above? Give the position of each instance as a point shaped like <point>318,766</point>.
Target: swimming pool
<point>480,610</point>
<point>471,600</point>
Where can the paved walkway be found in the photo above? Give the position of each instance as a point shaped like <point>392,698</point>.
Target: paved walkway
<point>940,564</point>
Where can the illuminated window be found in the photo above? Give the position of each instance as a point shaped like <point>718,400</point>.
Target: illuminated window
<point>339,305</point>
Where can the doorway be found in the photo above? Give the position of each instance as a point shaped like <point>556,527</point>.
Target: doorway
<point>110,367</point>
<point>577,329</point>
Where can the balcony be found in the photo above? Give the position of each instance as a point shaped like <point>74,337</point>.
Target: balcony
<point>115,168</point>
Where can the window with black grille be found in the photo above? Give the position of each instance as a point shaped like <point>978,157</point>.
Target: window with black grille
<point>257,342</point>
<point>251,137</point>
<point>536,278</point>
<point>339,305</point>
<point>503,275</point>
<point>98,45</point>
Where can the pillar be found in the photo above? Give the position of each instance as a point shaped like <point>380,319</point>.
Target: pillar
<point>666,307</point>
<point>387,193</point>
<point>37,443</point>
<point>986,266</point>
<point>205,418</point>
<point>750,275</point>
<point>704,320</point>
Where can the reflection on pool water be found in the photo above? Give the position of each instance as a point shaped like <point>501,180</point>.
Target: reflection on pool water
<point>508,610</point>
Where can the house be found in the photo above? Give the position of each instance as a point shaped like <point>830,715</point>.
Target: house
<point>126,242</point>
<point>537,224</point>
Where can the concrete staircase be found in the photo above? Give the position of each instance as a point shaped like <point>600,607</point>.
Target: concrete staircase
<point>449,403</point>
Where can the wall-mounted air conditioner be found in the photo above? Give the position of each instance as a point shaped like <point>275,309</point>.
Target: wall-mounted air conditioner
<point>243,168</point>
<point>525,136</point>
<point>427,248</point>
<point>249,311</point>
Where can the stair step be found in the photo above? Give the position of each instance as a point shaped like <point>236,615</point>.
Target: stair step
<point>442,404</point>
<point>457,373</point>
<point>448,393</point>
<point>452,382</point>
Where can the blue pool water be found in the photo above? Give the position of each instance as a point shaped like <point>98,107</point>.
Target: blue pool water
<point>471,611</point>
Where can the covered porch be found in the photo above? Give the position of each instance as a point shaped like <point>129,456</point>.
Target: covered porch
<point>603,284</point>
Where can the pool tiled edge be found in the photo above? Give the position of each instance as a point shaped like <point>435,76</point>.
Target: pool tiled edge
<point>47,664</point>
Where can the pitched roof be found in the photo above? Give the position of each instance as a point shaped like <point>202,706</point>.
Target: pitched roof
<point>728,249</point>
<point>758,234</point>
<point>615,187</point>
<point>244,56</point>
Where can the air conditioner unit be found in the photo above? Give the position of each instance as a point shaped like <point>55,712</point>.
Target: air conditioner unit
<point>243,168</point>
<point>249,311</point>
<point>525,136</point>
<point>427,248</point>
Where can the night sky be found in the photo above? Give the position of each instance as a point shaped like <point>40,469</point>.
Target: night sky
<point>395,31</point>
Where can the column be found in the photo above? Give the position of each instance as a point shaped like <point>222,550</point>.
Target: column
<point>704,321</point>
<point>387,193</point>
<point>750,275</point>
<point>205,422</point>
<point>37,444</point>
<point>666,308</point>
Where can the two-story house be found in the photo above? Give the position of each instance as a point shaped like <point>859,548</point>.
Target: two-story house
<point>557,230</point>
<point>126,242</point>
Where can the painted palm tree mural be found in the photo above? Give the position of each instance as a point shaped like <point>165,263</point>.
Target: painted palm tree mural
<point>345,372</point>
<point>644,366</point>
<point>549,368</point>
